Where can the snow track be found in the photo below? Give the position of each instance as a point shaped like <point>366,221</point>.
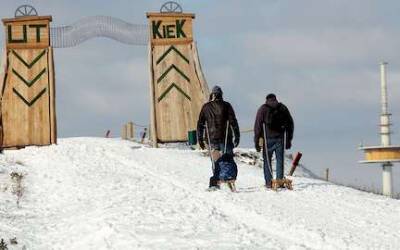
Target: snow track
<point>93,193</point>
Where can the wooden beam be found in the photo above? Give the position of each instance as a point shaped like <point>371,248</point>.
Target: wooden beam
<point>123,132</point>
<point>153,120</point>
<point>3,76</point>
<point>52,92</point>
<point>3,67</point>
<point>169,14</point>
<point>199,72</point>
<point>27,18</point>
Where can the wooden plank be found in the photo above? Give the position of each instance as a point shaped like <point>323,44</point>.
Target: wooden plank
<point>31,46</point>
<point>169,14</point>
<point>27,34</point>
<point>25,103</point>
<point>171,104</point>
<point>3,77</point>
<point>166,29</point>
<point>52,100</point>
<point>199,72</point>
<point>3,67</point>
<point>15,148</point>
<point>153,120</point>
<point>124,132</point>
<point>175,42</point>
<point>26,18</point>
<point>130,130</point>
<point>179,94</point>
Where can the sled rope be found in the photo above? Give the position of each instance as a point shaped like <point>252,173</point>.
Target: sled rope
<point>266,151</point>
<point>209,148</point>
<point>226,136</point>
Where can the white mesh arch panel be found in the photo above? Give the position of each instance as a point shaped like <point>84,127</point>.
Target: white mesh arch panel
<point>99,26</point>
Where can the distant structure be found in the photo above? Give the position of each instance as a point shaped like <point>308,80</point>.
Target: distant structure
<point>386,154</point>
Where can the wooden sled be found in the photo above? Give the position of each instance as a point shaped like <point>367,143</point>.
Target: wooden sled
<point>282,183</point>
<point>231,184</point>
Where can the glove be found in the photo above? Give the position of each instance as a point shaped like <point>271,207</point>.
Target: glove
<point>202,145</point>
<point>236,142</point>
<point>258,148</point>
<point>288,145</point>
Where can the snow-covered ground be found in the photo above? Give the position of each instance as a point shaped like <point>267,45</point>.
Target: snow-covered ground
<point>94,193</point>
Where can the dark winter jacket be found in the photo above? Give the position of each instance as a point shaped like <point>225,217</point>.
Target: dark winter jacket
<point>216,113</point>
<point>262,118</point>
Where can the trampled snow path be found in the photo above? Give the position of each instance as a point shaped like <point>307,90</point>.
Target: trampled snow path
<point>93,193</point>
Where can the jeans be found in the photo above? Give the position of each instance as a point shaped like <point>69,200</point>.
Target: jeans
<point>274,145</point>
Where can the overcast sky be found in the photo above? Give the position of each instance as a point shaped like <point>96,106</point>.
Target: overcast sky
<point>321,58</point>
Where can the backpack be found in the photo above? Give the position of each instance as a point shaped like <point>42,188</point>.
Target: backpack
<point>276,119</point>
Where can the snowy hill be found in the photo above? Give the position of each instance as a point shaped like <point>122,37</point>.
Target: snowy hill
<point>94,193</point>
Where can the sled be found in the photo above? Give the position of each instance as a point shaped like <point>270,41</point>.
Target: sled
<point>231,185</point>
<point>295,162</point>
<point>282,183</point>
<point>285,182</point>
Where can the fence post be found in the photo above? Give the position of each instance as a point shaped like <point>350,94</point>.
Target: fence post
<point>327,174</point>
<point>144,135</point>
<point>129,131</point>
<point>123,132</point>
<point>108,133</point>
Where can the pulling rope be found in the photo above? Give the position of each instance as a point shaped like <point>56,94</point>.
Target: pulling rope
<point>248,130</point>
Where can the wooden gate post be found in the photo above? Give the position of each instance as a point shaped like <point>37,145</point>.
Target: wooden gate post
<point>28,92</point>
<point>129,131</point>
<point>177,88</point>
<point>123,132</point>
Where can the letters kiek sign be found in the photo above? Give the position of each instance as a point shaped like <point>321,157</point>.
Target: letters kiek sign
<point>161,31</point>
<point>169,29</point>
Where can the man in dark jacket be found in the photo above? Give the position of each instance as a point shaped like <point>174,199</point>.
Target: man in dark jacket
<point>216,114</point>
<point>274,118</point>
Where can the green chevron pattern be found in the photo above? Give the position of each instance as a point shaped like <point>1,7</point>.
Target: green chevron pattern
<point>29,83</point>
<point>171,68</point>
<point>34,61</point>
<point>173,85</point>
<point>29,103</point>
<point>170,49</point>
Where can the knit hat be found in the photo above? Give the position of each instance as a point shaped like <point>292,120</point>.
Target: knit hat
<point>216,90</point>
<point>271,96</point>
